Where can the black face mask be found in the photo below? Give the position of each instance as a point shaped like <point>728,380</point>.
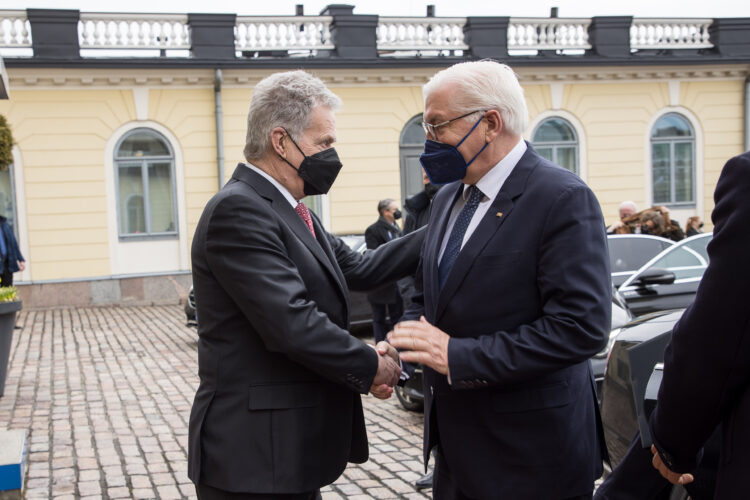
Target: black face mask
<point>431,189</point>
<point>396,214</point>
<point>319,171</point>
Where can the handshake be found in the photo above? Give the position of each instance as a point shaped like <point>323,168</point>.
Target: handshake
<point>389,371</point>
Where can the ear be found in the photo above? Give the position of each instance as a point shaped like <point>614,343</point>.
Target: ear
<point>495,125</point>
<point>279,141</point>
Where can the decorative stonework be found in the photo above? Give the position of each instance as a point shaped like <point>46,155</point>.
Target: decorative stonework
<point>21,78</point>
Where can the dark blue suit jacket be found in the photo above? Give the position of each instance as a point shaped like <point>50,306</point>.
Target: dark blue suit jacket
<point>527,304</point>
<point>707,363</point>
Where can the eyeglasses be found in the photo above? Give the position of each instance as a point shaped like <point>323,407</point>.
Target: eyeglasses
<point>431,130</point>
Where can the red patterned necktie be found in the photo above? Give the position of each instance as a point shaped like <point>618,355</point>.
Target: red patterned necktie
<point>304,212</point>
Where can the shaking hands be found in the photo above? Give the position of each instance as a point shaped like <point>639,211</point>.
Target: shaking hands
<point>389,371</point>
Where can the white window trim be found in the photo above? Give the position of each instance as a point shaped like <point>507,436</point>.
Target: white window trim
<point>579,130</point>
<point>179,172</point>
<point>698,152</point>
<point>20,209</point>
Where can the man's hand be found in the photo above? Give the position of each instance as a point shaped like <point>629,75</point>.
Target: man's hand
<point>672,477</point>
<point>384,349</point>
<point>21,265</point>
<point>421,343</point>
<point>388,371</point>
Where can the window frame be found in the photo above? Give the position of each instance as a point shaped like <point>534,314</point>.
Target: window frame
<point>144,163</point>
<point>555,145</point>
<point>671,142</point>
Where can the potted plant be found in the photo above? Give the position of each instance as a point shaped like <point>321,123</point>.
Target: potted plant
<point>10,304</point>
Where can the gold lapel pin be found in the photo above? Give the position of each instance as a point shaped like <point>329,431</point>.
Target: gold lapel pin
<point>499,214</point>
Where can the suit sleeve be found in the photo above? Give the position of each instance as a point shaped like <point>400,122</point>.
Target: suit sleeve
<point>246,253</point>
<point>707,362</point>
<point>574,286</point>
<point>387,263</point>
<point>371,238</point>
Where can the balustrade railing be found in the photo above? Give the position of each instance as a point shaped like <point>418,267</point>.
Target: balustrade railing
<point>396,34</point>
<point>283,33</point>
<point>528,33</point>
<point>15,31</point>
<point>133,31</point>
<point>648,34</point>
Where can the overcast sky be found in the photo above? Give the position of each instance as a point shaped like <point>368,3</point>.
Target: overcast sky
<point>444,8</point>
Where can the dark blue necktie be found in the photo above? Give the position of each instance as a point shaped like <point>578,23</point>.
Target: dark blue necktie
<point>457,234</point>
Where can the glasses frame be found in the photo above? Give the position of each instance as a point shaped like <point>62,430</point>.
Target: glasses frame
<point>431,130</point>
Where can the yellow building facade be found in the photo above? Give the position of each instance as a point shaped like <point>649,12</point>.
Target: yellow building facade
<point>71,123</point>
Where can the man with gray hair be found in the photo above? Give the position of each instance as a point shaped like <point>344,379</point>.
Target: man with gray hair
<point>278,413</point>
<point>516,299</point>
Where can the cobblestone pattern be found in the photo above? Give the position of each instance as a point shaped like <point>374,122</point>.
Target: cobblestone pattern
<point>105,395</point>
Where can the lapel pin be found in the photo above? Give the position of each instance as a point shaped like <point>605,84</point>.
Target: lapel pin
<point>499,214</point>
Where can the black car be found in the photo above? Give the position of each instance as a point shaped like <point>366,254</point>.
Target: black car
<point>670,279</point>
<point>360,312</point>
<point>628,396</point>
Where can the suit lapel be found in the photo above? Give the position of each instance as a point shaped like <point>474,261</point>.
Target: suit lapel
<point>292,219</point>
<point>498,213</point>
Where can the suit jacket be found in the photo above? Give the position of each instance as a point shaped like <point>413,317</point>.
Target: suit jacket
<point>278,406</point>
<point>706,378</point>
<point>526,304</point>
<point>379,233</point>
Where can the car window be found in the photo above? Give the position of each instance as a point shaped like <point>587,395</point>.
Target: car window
<point>687,260</point>
<point>699,244</point>
<point>627,253</point>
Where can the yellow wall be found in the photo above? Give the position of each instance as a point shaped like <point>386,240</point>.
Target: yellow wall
<point>62,133</point>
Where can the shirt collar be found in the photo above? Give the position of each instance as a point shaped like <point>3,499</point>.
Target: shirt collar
<point>491,183</point>
<point>284,191</point>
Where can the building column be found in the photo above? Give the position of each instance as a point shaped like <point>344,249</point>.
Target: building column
<point>54,33</point>
<point>355,36</point>
<point>487,37</point>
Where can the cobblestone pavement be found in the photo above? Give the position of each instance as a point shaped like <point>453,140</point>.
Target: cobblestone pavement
<point>105,396</point>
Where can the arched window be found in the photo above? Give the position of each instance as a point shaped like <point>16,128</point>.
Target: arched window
<point>411,146</point>
<point>673,161</point>
<point>144,164</point>
<point>556,140</point>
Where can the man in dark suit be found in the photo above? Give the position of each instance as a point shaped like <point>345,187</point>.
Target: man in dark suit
<point>516,300</point>
<point>706,380</point>
<point>385,301</point>
<point>278,413</point>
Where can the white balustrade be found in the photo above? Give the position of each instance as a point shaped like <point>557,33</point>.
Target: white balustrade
<point>15,31</point>
<point>133,31</point>
<point>529,33</point>
<point>670,34</point>
<point>421,34</point>
<point>283,33</point>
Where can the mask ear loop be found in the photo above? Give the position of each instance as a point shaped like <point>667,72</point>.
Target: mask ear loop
<point>467,136</point>
<point>298,148</point>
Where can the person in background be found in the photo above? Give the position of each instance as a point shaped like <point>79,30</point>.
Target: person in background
<point>693,226</point>
<point>627,208</point>
<point>387,306</point>
<point>12,260</point>
<point>672,229</point>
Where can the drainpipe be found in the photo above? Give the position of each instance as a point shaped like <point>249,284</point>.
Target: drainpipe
<point>747,113</point>
<point>218,113</point>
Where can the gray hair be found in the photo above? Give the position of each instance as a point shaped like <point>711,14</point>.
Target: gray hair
<point>284,100</point>
<point>628,203</point>
<point>484,85</point>
<point>384,204</point>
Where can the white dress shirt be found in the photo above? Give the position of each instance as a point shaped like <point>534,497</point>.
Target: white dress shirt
<point>284,191</point>
<point>490,184</point>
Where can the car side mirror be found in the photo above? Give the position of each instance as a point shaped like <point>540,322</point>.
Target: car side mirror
<point>655,276</point>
